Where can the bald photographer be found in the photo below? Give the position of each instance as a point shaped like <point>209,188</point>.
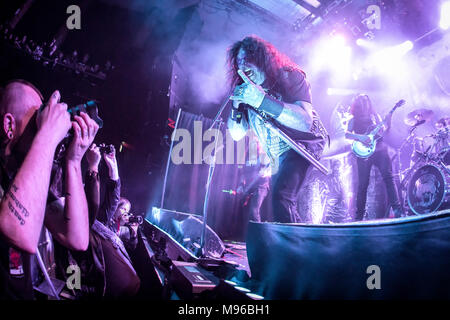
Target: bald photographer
<point>29,134</point>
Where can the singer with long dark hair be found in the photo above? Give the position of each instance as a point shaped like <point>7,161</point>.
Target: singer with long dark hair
<point>267,83</point>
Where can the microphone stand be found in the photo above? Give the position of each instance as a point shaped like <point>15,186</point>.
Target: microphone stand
<point>212,166</point>
<point>216,118</point>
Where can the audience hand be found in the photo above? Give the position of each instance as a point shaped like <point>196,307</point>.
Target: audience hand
<point>93,157</point>
<point>111,162</point>
<point>85,130</point>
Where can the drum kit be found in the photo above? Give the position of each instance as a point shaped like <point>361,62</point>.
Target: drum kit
<point>425,183</point>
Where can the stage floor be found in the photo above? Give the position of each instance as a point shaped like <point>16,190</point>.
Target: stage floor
<point>236,254</point>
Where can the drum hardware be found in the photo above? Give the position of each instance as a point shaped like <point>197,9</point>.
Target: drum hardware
<point>442,123</point>
<point>418,117</point>
<point>426,182</point>
<point>416,154</point>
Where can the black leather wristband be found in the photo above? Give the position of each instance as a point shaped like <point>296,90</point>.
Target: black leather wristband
<point>271,106</point>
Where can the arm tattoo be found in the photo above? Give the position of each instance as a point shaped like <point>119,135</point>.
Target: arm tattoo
<point>18,207</point>
<point>16,213</point>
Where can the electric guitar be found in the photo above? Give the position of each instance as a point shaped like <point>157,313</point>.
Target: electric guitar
<point>365,150</point>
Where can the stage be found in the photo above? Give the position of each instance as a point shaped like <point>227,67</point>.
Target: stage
<point>333,261</point>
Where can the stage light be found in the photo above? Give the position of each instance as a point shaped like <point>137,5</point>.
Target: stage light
<point>340,92</point>
<point>255,296</point>
<point>445,16</point>
<point>330,50</point>
<point>364,43</point>
<point>156,214</point>
<point>333,55</point>
<point>405,47</point>
<point>340,56</point>
<point>389,59</point>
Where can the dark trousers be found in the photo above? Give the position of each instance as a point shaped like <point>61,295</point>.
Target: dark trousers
<point>286,184</point>
<point>382,161</point>
<point>255,201</point>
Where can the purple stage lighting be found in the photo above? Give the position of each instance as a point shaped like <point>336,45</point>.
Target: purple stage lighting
<point>445,16</point>
<point>388,59</point>
<point>360,42</point>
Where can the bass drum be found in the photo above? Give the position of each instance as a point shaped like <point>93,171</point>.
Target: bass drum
<point>428,189</point>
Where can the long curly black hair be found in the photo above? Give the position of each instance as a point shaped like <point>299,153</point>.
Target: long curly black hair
<point>263,55</point>
<point>361,107</point>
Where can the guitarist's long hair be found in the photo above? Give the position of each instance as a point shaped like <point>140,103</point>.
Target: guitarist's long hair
<point>263,55</point>
<point>361,107</point>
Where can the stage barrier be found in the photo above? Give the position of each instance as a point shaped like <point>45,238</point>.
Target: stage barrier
<point>407,258</point>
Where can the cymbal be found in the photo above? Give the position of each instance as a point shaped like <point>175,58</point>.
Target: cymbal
<point>418,116</point>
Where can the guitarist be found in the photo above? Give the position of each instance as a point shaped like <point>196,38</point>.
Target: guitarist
<point>363,121</point>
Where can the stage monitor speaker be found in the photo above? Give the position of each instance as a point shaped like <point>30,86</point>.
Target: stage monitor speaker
<point>186,229</point>
<point>189,280</point>
<point>406,258</point>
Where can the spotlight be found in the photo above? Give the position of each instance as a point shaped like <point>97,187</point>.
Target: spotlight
<point>337,52</point>
<point>445,16</point>
<point>406,47</point>
<point>388,59</point>
<point>156,214</point>
<point>365,43</point>
<point>340,92</point>
<point>255,296</point>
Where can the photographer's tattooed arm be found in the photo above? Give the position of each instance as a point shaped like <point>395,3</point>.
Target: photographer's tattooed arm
<point>22,207</point>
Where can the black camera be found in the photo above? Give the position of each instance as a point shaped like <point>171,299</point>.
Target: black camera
<point>90,107</point>
<point>106,148</point>
<point>135,219</point>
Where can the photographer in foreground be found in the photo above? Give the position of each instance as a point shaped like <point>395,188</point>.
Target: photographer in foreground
<point>29,138</point>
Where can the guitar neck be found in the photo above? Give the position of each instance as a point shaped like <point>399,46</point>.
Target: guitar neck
<point>352,136</point>
<point>382,123</point>
<point>377,128</point>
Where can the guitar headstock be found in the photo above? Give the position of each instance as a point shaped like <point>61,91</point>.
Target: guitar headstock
<point>399,104</point>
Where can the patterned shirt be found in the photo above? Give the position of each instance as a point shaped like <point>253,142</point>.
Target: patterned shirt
<point>291,88</point>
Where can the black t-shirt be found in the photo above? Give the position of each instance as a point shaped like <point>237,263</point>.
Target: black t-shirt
<point>12,287</point>
<point>292,86</point>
